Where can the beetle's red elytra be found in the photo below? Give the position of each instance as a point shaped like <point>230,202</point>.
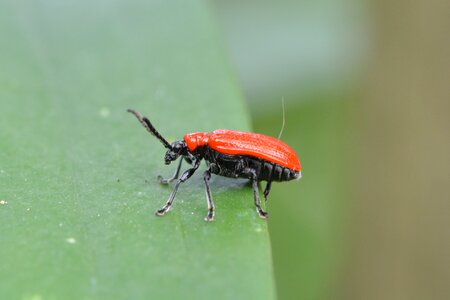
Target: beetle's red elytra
<point>245,143</point>
<point>228,153</point>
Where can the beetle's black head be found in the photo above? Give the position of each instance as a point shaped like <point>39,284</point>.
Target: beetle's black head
<point>176,149</point>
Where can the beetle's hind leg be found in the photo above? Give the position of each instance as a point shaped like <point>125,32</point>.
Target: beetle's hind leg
<point>206,178</point>
<point>267,190</point>
<point>252,173</point>
<point>262,214</point>
<point>174,177</point>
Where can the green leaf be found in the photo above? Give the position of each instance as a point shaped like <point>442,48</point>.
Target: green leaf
<point>78,174</point>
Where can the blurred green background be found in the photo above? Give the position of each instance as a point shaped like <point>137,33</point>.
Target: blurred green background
<point>366,84</point>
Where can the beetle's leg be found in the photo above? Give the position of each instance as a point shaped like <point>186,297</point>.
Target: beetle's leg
<point>267,190</point>
<point>206,178</point>
<point>185,176</point>
<point>262,214</point>
<point>175,176</point>
<point>189,159</point>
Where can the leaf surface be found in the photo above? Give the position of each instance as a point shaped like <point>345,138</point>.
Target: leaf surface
<point>78,173</point>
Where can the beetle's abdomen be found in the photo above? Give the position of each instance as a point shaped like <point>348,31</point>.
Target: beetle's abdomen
<point>196,139</point>
<point>235,166</point>
<point>252,144</point>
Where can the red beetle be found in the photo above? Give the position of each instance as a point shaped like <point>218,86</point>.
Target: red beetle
<point>228,153</point>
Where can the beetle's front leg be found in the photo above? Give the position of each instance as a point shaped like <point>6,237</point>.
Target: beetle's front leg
<point>267,190</point>
<point>186,175</point>
<point>175,176</point>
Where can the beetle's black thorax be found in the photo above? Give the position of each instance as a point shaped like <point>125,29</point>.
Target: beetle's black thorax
<point>235,166</point>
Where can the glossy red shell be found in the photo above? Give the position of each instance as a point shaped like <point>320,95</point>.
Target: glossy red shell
<point>246,143</point>
<point>197,139</point>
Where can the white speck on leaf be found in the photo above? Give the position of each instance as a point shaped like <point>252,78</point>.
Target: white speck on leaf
<point>71,240</point>
<point>104,112</point>
<point>34,297</point>
<point>3,202</point>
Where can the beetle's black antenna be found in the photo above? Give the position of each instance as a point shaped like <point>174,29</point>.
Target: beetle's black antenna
<point>148,125</point>
<point>284,118</point>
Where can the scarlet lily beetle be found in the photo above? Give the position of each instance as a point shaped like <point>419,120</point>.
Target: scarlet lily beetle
<point>228,153</point>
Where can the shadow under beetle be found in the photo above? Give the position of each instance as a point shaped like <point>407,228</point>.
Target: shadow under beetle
<point>228,153</point>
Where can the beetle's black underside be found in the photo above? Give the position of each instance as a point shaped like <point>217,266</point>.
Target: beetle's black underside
<point>235,166</point>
